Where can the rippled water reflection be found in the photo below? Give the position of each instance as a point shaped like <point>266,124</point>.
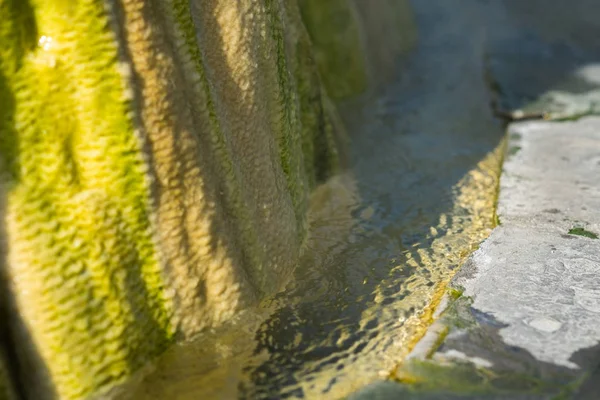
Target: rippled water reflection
<point>417,199</point>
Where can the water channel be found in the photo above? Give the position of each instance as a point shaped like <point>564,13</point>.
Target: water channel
<point>387,235</point>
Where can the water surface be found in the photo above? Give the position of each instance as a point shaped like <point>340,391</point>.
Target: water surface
<point>418,197</point>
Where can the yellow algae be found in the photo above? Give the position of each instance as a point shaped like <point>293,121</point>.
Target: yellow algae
<point>80,253</point>
<point>223,116</point>
<point>156,159</point>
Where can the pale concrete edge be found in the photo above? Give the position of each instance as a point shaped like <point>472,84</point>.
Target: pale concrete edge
<point>469,273</point>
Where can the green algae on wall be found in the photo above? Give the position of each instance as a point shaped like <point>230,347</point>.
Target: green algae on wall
<point>238,165</point>
<point>322,134</point>
<point>156,161</point>
<point>358,44</point>
<point>579,231</point>
<point>335,34</point>
<point>5,390</point>
<point>80,256</point>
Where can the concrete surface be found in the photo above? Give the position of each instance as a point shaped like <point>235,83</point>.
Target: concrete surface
<point>551,175</point>
<point>531,274</point>
<point>524,321</point>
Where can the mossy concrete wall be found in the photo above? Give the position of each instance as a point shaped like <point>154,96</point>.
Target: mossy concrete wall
<point>357,43</point>
<point>156,158</point>
<point>5,390</point>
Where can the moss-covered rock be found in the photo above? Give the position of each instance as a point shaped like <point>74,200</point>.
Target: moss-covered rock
<point>156,158</point>
<point>335,32</point>
<point>5,391</point>
<point>357,44</point>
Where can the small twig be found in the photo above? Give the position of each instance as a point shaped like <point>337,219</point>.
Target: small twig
<point>520,115</point>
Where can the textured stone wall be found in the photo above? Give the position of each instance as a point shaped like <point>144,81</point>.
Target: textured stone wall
<point>156,158</point>
<point>357,43</point>
<point>5,391</point>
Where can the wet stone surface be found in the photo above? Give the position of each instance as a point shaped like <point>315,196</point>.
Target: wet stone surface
<point>554,178</point>
<point>525,316</point>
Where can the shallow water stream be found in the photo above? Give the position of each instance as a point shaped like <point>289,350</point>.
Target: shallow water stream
<point>418,197</point>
